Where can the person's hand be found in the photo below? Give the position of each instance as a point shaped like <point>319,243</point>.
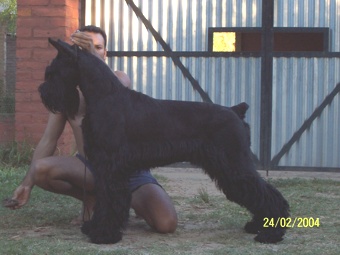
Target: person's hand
<point>84,41</point>
<point>20,197</point>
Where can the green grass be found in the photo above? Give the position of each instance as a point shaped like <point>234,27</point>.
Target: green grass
<point>208,224</point>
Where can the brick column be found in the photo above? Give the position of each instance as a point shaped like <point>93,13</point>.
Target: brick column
<point>37,20</point>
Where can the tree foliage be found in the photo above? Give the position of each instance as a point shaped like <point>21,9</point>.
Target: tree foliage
<point>8,15</point>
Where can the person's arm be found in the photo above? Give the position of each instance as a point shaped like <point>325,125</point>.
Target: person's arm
<point>124,78</point>
<point>85,41</point>
<point>45,148</point>
<point>48,142</point>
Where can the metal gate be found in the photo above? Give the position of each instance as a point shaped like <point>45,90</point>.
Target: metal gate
<point>293,96</point>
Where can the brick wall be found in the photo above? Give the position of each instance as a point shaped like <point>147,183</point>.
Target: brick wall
<point>38,20</point>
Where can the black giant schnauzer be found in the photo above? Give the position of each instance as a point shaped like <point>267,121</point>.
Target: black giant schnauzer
<point>125,130</point>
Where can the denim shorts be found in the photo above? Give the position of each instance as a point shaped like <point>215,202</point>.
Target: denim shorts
<point>137,180</point>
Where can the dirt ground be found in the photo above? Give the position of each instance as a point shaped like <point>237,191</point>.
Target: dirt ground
<point>180,183</point>
<point>186,181</point>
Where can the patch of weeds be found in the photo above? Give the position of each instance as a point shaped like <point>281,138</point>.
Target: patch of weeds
<point>16,154</point>
<point>203,195</point>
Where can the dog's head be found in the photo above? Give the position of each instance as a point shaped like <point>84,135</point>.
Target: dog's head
<point>59,91</point>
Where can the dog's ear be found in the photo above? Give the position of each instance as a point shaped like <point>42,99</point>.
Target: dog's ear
<point>240,109</point>
<point>63,47</point>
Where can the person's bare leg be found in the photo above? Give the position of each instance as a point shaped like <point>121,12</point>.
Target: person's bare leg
<point>67,176</point>
<point>154,205</point>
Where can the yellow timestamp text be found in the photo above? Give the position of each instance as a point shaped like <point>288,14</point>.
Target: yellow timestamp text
<point>296,222</point>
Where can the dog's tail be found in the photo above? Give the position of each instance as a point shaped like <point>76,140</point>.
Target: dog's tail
<point>240,109</point>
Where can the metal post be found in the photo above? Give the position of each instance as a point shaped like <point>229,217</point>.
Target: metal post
<point>266,82</point>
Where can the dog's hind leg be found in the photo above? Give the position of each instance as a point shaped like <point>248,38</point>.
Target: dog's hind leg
<point>263,201</point>
<point>273,207</point>
<point>111,211</point>
<point>240,182</point>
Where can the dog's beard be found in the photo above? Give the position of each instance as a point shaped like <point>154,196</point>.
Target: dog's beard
<point>57,100</point>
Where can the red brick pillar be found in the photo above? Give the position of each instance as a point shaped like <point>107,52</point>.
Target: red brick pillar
<point>37,20</point>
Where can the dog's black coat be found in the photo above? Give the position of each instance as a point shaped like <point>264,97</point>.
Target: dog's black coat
<point>125,131</point>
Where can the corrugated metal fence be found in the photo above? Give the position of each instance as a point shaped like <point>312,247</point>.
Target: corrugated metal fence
<point>299,83</point>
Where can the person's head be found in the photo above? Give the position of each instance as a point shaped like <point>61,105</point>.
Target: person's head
<point>99,38</point>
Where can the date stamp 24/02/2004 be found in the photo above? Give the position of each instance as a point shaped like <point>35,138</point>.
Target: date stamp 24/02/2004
<point>296,222</point>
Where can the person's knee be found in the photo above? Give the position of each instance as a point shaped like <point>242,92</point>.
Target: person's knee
<point>40,172</point>
<point>167,224</point>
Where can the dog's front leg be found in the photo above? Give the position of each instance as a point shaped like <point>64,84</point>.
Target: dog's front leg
<point>111,211</point>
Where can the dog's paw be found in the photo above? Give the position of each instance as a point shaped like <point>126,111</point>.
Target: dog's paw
<point>273,235</point>
<point>112,238</point>
<point>101,235</point>
<point>253,227</point>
